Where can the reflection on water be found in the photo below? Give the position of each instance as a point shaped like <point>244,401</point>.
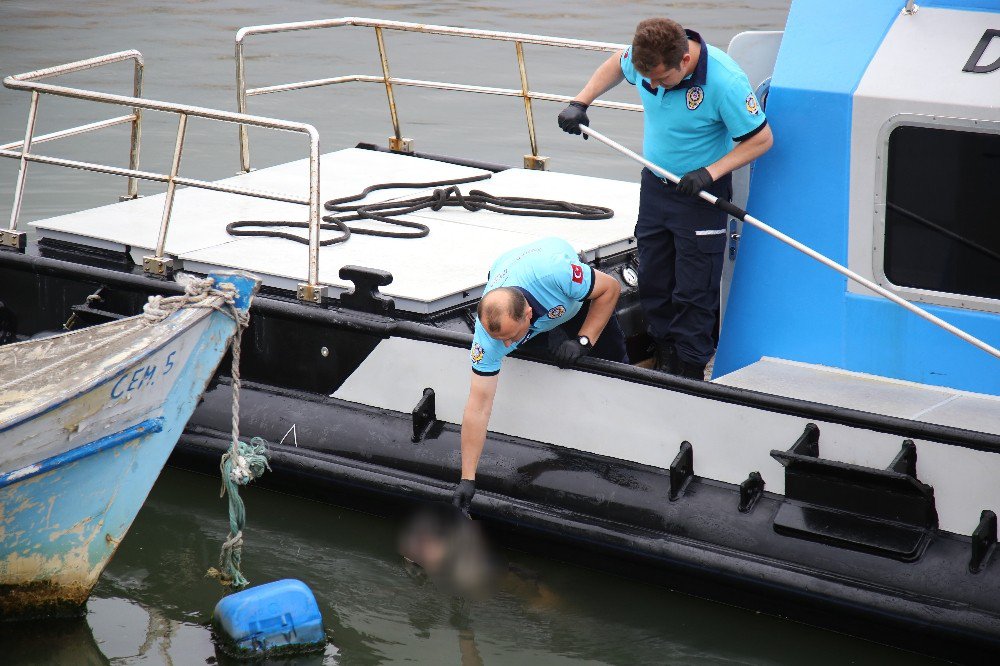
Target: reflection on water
<point>154,604</point>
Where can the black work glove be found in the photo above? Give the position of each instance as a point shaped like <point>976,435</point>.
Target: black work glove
<point>464,492</point>
<point>696,181</point>
<point>572,117</point>
<point>556,337</point>
<point>569,352</point>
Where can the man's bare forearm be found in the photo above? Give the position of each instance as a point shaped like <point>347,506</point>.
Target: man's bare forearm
<point>473,438</point>
<point>602,305</point>
<point>742,153</point>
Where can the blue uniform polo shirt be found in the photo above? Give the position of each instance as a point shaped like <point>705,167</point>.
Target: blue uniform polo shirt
<point>553,280</point>
<point>695,123</point>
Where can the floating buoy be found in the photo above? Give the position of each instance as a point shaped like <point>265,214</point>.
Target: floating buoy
<point>273,619</point>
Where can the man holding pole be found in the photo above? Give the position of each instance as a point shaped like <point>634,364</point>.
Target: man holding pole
<point>702,120</point>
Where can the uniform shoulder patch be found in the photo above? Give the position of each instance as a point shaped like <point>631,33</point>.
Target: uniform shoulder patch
<point>477,352</point>
<point>695,96</point>
<point>556,312</point>
<point>577,273</point>
<point>752,107</point>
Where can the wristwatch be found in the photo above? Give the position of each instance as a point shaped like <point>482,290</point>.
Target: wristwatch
<point>584,341</point>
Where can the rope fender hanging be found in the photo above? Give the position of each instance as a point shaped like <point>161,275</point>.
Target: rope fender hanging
<point>447,194</point>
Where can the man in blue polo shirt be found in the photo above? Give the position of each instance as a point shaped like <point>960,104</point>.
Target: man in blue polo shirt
<point>534,289</point>
<point>702,121</point>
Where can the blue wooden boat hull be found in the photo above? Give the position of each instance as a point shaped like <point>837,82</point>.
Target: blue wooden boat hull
<point>62,518</point>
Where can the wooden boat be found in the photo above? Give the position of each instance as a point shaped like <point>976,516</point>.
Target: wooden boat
<point>87,420</point>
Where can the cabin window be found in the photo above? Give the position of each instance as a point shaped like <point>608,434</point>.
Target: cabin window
<point>942,219</point>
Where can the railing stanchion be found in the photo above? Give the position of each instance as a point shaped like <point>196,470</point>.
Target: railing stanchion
<point>241,106</point>
<point>13,238</point>
<point>396,142</point>
<point>532,161</point>
<point>133,155</point>
<point>158,264</point>
<point>311,291</point>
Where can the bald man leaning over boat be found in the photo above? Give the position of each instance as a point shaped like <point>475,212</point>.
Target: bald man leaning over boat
<point>538,296</point>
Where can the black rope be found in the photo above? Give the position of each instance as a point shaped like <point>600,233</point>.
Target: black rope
<point>387,212</point>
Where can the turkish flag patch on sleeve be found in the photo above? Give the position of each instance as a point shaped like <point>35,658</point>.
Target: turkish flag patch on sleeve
<point>577,273</point>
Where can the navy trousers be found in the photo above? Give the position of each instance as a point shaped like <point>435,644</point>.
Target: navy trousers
<point>681,240</point>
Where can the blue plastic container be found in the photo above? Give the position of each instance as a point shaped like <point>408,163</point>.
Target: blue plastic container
<point>277,617</point>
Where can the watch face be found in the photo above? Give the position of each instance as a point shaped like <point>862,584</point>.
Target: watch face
<point>630,277</point>
<point>584,340</point>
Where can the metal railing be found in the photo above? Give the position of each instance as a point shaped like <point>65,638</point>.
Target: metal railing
<point>157,264</point>
<point>397,141</point>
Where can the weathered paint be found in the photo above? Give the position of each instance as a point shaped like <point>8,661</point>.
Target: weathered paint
<point>62,518</point>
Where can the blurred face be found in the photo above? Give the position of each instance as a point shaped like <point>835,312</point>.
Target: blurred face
<point>512,330</point>
<point>661,77</point>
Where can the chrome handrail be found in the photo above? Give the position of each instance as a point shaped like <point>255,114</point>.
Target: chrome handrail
<point>11,237</point>
<point>397,141</point>
<point>158,264</point>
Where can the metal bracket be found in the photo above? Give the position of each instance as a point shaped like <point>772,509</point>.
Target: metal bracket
<point>984,538</point>
<point>401,145</point>
<point>536,162</point>
<point>681,470</point>
<point>886,512</point>
<point>365,296</point>
<point>311,293</point>
<point>158,266</point>
<point>905,461</point>
<point>751,491</point>
<point>424,416</point>
<point>13,240</point>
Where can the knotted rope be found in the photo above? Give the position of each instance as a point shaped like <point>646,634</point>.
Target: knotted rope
<point>240,465</point>
<point>388,212</point>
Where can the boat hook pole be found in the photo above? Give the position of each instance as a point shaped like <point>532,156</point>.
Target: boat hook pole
<point>744,216</point>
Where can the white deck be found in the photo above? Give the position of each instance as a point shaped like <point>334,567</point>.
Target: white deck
<point>446,268</point>
<point>869,393</point>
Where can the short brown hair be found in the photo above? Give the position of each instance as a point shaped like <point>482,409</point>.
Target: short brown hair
<point>491,307</point>
<point>658,41</point>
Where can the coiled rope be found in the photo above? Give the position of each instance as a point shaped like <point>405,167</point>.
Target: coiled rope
<point>388,212</point>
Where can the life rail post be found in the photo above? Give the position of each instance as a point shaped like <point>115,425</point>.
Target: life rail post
<point>16,240</point>
<point>157,264</point>
<point>398,141</point>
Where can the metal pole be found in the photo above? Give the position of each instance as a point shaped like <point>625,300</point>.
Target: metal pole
<point>241,107</point>
<point>133,157</point>
<point>22,175</point>
<point>788,240</point>
<point>532,161</point>
<point>313,211</point>
<point>311,291</point>
<point>396,142</point>
<point>168,204</point>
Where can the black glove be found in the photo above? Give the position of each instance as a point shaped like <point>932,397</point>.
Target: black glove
<point>572,117</point>
<point>570,352</point>
<point>464,492</point>
<point>696,181</point>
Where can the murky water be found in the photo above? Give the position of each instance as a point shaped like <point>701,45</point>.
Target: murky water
<point>153,604</point>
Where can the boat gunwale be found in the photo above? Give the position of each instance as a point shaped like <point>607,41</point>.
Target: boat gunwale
<point>387,327</point>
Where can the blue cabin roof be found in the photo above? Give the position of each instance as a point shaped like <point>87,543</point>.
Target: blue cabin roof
<point>816,186</point>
